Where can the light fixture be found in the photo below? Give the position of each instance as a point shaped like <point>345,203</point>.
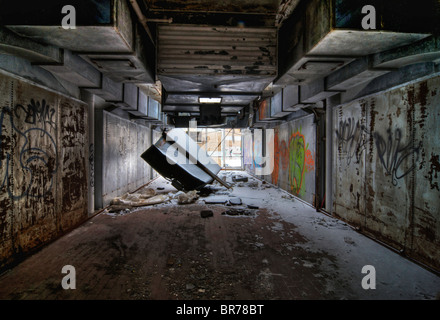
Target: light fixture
<point>209,100</point>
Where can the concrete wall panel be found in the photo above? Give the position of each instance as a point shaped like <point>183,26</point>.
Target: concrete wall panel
<point>43,177</point>
<point>386,166</point>
<point>425,97</point>
<point>349,182</point>
<point>294,157</point>
<point>123,170</point>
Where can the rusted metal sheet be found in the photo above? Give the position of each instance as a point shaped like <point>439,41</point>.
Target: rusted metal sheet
<point>43,180</point>
<point>386,170</point>
<point>73,159</point>
<point>424,98</point>
<point>349,162</point>
<point>6,147</point>
<point>216,50</point>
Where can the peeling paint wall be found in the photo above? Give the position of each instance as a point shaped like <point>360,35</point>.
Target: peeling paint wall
<point>386,168</point>
<point>43,169</point>
<point>123,169</point>
<point>293,159</point>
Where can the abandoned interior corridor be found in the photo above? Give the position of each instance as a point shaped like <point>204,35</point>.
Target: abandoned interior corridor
<point>320,120</point>
<point>270,246</point>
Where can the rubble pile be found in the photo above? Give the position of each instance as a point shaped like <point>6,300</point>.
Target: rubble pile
<point>145,197</point>
<point>213,194</point>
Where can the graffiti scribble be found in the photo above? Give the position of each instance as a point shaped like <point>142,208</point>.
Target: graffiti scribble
<point>92,164</point>
<point>392,153</point>
<point>37,113</point>
<point>352,139</point>
<point>309,161</point>
<point>38,164</point>
<point>297,153</point>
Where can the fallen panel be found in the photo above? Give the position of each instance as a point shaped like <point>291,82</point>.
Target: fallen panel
<point>177,157</point>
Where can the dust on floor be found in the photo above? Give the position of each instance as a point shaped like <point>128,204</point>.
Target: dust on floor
<point>264,244</point>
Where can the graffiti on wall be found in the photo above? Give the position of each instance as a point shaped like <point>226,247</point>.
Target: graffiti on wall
<point>43,154</point>
<point>392,154</point>
<point>280,157</point>
<point>294,156</point>
<point>38,160</point>
<point>434,171</point>
<point>352,139</point>
<point>37,113</point>
<point>301,161</point>
<point>92,164</point>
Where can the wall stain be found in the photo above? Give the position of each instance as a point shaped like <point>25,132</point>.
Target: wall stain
<point>434,171</point>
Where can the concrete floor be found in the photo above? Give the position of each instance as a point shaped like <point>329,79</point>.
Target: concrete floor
<point>282,250</point>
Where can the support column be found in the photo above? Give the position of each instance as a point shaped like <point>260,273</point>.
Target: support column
<point>330,104</point>
<point>89,98</point>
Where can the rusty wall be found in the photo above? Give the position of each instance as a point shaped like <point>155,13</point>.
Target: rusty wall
<point>43,169</point>
<point>386,168</point>
<point>293,159</point>
<point>123,169</point>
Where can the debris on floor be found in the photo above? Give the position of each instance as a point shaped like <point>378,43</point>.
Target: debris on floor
<point>188,197</point>
<point>235,201</point>
<point>118,208</point>
<point>216,200</point>
<point>144,197</point>
<point>251,184</point>
<point>239,179</point>
<point>237,212</point>
<point>206,213</point>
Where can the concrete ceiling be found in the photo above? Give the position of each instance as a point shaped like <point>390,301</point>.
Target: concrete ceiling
<point>212,12</point>
<point>243,51</point>
<point>224,49</point>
